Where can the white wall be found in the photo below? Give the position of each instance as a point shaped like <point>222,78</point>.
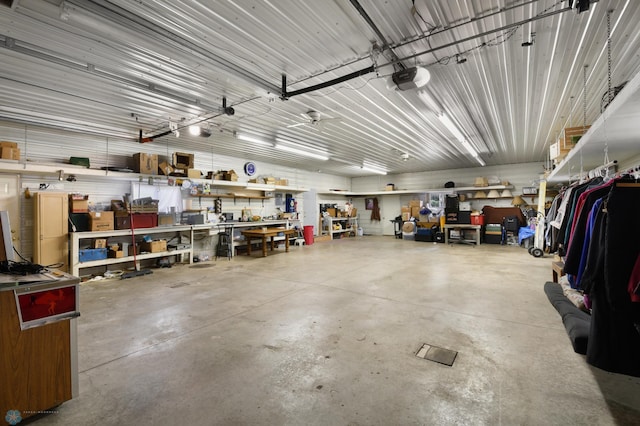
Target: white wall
<point>52,146</point>
<point>518,175</point>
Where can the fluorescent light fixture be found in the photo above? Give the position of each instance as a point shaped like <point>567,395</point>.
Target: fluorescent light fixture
<point>307,152</point>
<point>451,127</point>
<point>194,130</point>
<point>473,152</point>
<point>458,135</point>
<point>249,138</point>
<point>375,170</point>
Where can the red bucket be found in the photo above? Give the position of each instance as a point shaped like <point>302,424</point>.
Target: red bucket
<point>477,219</point>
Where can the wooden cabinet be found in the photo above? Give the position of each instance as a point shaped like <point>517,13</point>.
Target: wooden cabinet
<point>51,229</point>
<point>38,365</point>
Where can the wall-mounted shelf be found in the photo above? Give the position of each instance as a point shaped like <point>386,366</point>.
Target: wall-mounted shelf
<point>617,129</point>
<point>40,169</point>
<point>414,191</point>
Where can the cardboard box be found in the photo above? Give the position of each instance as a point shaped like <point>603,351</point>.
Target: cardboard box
<point>153,246</point>
<point>321,238</point>
<point>7,144</point>
<point>194,173</point>
<point>282,182</point>
<point>415,211</point>
<point>390,187</point>
<point>332,212</point>
<point>164,168</point>
<point>414,203</point>
<point>165,219</point>
<point>79,206</point>
<point>182,160</point>
<point>9,153</point>
<point>145,163</point>
<point>270,180</point>
<point>115,254</point>
<point>101,221</point>
<point>231,175</point>
<point>9,150</point>
<point>100,243</point>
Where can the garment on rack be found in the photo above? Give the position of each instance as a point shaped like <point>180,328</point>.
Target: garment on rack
<point>614,339</point>
<point>578,228</point>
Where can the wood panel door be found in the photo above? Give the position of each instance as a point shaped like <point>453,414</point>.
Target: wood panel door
<point>51,238</point>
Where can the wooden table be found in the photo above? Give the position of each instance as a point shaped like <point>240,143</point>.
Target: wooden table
<point>263,234</point>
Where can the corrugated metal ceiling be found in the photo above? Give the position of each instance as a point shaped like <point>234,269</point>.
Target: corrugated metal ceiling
<point>118,67</point>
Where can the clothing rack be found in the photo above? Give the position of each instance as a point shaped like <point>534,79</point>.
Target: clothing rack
<point>605,168</point>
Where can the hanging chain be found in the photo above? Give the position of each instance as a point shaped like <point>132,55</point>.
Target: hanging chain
<point>609,57</point>
<point>584,98</point>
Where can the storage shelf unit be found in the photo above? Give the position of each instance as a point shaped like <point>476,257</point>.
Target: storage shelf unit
<point>77,237</point>
<point>350,225</point>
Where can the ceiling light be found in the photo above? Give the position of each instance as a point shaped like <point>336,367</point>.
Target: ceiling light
<point>451,127</point>
<point>473,152</point>
<point>373,170</point>
<point>199,131</point>
<point>319,155</point>
<point>249,138</point>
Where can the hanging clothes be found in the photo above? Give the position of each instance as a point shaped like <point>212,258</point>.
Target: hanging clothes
<point>614,339</point>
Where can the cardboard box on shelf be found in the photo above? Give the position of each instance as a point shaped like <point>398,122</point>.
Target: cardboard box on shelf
<point>194,173</point>
<point>78,203</point>
<point>9,150</point>
<point>414,203</point>
<point>390,187</point>
<point>183,160</point>
<point>101,221</point>
<point>116,254</point>
<point>230,175</point>
<point>145,163</point>
<point>282,182</point>
<point>100,243</point>
<point>164,168</point>
<point>10,153</point>
<point>270,180</point>
<point>332,212</point>
<point>153,246</point>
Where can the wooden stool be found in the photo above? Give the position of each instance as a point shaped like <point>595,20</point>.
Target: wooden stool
<point>557,268</point>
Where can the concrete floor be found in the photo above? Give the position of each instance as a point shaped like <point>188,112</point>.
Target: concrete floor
<point>327,334</point>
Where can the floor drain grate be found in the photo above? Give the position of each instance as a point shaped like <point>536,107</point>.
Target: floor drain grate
<point>178,285</point>
<point>436,354</point>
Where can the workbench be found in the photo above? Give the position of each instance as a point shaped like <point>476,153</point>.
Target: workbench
<point>449,226</point>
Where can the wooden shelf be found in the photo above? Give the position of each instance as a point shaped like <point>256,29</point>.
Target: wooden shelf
<point>250,197</point>
<point>414,191</point>
<point>617,129</point>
